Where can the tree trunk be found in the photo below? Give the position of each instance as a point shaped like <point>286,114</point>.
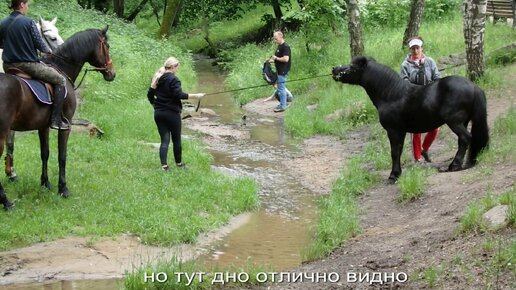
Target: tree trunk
<point>175,23</point>
<point>168,17</point>
<point>356,44</point>
<point>118,8</point>
<point>414,22</point>
<point>474,28</point>
<point>136,10</point>
<point>212,49</point>
<point>277,13</point>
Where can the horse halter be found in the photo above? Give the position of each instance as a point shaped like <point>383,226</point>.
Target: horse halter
<point>105,51</point>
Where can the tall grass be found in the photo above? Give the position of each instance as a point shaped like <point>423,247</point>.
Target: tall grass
<point>412,183</point>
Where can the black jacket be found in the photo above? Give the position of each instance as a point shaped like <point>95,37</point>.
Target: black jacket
<point>168,94</point>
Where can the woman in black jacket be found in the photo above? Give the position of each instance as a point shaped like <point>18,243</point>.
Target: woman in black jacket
<point>165,95</point>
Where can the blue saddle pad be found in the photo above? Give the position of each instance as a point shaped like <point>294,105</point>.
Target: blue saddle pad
<point>39,90</point>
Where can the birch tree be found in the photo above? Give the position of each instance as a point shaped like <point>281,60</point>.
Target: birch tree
<point>474,30</point>
<point>414,22</point>
<point>356,44</point>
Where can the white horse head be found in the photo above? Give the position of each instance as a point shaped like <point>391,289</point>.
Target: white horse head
<point>49,32</point>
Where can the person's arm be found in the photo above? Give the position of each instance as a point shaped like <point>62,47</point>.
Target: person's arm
<point>175,87</point>
<point>284,58</point>
<point>404,74</point>
<point>38,41</point>
<point>435,71</point>
<point>150,96</point>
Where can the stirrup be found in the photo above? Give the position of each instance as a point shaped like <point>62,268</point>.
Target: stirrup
<point>64,125</point>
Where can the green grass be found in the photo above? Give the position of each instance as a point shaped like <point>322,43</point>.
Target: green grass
<point>432,275</point>
<point>412,183</point>
<point>192,275</point>
<point>116,183</point>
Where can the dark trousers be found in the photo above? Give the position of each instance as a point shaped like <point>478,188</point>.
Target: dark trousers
<point>169,124</point>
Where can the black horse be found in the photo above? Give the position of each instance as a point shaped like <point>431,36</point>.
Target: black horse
<point>20,111</point>
<point>404,107</point>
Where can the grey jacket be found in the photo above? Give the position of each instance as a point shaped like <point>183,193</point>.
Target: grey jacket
<point>410,69</point>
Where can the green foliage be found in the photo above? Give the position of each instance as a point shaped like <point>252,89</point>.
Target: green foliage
<point>412,183</point>
<point>503,136</point>
<point>385,13</point>
<point>432,275</point>
<point>506,124</point>
<point>395,13</point>
<point>509,199</point>
<point>472,220</point>
<point>318,18</point>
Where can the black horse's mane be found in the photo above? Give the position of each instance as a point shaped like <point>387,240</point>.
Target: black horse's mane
<point>78,44</point>
<point>385,78</point>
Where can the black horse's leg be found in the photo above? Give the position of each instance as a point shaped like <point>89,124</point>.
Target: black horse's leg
<point>62,141</point>
<point>44,150</point>
<point>464,139</point>
<point>9,159</point>
<point>3,198</point>
<point>396,139</point>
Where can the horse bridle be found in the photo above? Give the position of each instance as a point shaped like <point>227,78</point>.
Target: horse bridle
<point>107,61</point>
<point>105,51</point>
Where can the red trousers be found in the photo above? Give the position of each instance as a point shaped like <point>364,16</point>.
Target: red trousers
<point>416,142</point>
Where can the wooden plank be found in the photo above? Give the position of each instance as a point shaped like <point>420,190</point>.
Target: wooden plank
<point>499,9</point>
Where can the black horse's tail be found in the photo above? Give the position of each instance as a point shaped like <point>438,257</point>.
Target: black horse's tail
<point>479,128</point>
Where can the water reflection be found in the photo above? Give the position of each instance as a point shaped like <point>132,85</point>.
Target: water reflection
<point>107,284</point>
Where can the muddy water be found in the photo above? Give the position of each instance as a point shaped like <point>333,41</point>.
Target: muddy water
<point>275,234</point>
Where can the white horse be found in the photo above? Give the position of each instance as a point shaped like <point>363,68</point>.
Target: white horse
<point>50,35</point>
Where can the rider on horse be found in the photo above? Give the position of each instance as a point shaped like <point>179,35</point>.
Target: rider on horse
<point>20,40</point>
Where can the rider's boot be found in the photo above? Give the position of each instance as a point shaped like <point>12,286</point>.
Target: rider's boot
<point>56,120</point>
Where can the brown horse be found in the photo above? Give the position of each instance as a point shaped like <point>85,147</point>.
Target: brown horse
<point>20,111</point>
<point>49,34</point>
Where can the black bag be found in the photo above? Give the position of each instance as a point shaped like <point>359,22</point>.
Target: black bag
<point>269,75</point>
<point>421,76</point>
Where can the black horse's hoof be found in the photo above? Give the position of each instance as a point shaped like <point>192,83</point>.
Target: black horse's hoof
<point>392,180</point>
<point>65,193</point>
<point>454,167</point>
<point>13,179</point>
<point>46,184</point>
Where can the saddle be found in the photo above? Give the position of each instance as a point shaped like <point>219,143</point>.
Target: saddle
<point>20,73</point>
<point>41,90</point>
